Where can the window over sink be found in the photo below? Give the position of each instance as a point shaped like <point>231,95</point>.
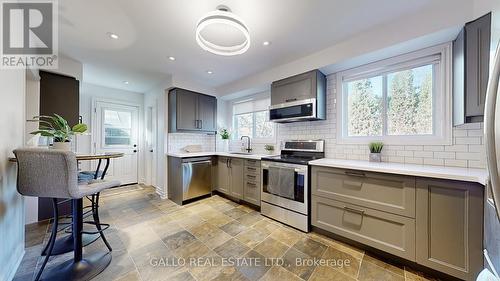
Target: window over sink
<point>401,100</point>
<point>251,118</point>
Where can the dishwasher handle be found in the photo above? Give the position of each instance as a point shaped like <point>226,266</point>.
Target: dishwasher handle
<point>198,162</point>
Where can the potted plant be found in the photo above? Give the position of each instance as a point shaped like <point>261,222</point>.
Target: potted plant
<point>375,150</point>
<point>58,128</point>
<point>224,135</point>
<point>269,148</point>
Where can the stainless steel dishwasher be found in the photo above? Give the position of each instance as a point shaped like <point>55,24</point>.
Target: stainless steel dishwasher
<point>196,177</point>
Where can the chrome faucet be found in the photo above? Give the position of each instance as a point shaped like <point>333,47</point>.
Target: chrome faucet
<point>249,148</point>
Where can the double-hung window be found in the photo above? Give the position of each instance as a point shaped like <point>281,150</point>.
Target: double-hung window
<point>401,100</point>
<point>251,118</point>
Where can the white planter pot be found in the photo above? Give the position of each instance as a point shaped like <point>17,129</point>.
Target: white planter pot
<point>225,145</point>
<point>66,146</point>
<point>375,157</point>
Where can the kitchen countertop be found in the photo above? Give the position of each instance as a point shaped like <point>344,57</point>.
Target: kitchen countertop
<point>451,173</point>
<point>218,153</point>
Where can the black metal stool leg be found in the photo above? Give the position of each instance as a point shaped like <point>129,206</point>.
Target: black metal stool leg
<point>95,212</point>
<point>52,239</point>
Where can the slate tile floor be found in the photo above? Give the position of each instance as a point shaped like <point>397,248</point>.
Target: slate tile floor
<point>151,237</point>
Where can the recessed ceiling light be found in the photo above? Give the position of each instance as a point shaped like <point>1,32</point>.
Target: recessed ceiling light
<point>113,35</point>
<point>125,82</point>
<point>266,43</point>
<point>209,72</point>
<point>171,58</point>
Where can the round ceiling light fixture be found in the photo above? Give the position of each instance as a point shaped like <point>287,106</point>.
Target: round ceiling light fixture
<point>223,16</point>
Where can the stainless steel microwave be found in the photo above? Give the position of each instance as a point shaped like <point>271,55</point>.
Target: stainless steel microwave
<point>302,110</point>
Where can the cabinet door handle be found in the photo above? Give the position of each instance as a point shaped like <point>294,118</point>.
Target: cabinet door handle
<point>290,100</point>
<point>352,210</point>
<point>227,163</point>
<point>201,124</point>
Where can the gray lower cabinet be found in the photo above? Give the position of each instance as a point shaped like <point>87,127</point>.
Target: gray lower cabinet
<point>222,179</point>
<point>450,227</point>
<point>251,193</point>
<point>388,232</point>
<point>236,168</point>
<point>389,193</point>
<point>435,223</point>
<point>230,175</point>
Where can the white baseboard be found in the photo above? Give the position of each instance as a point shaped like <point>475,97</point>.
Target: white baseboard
<point>13,265</point>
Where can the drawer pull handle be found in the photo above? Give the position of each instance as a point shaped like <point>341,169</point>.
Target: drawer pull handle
<point>251,176</point>
<point>251,184</point>
<point>353,184</point>
<point>251,168</point>
<point>355,173</point>
<point>352,210</point>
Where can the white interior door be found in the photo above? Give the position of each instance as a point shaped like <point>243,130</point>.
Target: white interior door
<point>151,127</point>
<point>117,130</point>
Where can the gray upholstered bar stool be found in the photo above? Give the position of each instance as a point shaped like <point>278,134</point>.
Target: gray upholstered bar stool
<point>53,174</point>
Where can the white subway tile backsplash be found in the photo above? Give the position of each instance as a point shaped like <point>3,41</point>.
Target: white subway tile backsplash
<point>467,144</point>
<point>468,140</point>
<point>423,154</point>
<point>455,163</point>
<point>177,141</point>
<point>434,161</point>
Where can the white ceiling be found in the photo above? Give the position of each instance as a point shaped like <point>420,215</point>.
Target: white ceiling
<point>151,31</point>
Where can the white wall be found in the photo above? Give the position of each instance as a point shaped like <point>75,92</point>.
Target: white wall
<point>157,97</point>
<point>89,92</point>
<point>12,99</point>
<point>445,16</point>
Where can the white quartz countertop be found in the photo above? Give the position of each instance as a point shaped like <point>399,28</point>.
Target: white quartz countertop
<point>451,173</point>
<point>214,153</point>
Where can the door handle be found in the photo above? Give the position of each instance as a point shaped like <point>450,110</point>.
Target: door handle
<point>135,150</point>
<point>352,210</point>
<point>135,145</point>
<point>151,150</point>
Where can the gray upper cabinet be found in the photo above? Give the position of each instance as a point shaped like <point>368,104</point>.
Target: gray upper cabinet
<point>207,113</point>
<point>471,51</point>
<point>296,88</point>
<point>191,112</point>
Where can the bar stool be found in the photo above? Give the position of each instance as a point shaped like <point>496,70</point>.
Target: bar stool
<point>53,174</point>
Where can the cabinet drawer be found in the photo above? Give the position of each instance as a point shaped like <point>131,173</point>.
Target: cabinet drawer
<point>252,193</point>
<point>252,178</point>
<point>388,232</point>
<point>384,192</point>
<point>252,163</point>
<point>252,170</point>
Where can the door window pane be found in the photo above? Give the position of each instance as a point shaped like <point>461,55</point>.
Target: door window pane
<point>409,97</point>
<point>364,107</point>
<point>117,127</point>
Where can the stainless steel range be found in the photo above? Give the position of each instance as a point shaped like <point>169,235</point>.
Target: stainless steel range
<point>285,182</point>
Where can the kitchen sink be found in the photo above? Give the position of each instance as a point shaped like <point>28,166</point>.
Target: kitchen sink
<point>241,153</point>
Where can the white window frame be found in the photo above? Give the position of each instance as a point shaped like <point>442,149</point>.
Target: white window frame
<point>442,96</point>
<point>254,140</point>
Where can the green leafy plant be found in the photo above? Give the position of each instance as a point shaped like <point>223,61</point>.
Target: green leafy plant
<point>224,134</point>
<point>269,147</point>
<point>57,127</point>
<point>376,147</point>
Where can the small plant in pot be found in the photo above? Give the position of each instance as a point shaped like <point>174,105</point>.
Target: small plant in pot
<point>375,151</point>
<point>57,128</point>
<point>225,135</point>
<point>269,148</point>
